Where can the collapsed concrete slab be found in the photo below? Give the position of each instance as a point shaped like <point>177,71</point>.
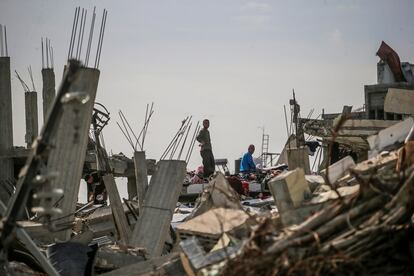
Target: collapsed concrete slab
<point>151,230</point>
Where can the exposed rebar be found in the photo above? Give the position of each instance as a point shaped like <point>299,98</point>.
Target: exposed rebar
<point>88,49</point>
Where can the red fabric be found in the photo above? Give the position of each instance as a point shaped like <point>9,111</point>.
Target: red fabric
<point>245,186</point>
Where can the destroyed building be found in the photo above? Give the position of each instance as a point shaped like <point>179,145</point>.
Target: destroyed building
<point>354,217</point>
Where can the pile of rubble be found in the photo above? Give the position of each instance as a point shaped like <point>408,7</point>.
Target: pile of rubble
<point>352,218</point>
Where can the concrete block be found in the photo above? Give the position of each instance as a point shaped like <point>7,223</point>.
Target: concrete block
<point>338,169</point>
<point>298,158</point>
<point>387,137</point>
<point>289,189</point>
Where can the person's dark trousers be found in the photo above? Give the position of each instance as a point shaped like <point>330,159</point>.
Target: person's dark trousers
<point>208,162</point>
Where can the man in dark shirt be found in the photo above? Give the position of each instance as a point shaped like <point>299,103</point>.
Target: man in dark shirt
<point>206,153</point>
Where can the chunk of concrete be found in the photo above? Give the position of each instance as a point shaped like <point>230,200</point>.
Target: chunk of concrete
<point>390,136</point>
<point>298,158</point>
<point>338,169</point>
<point>289,189</point>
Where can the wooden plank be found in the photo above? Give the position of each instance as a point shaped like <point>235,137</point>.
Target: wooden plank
<point>140,166</point>
<point>70,140</point>
<point>399,101</point>
<point>123,229</point>
<point>152,228</point>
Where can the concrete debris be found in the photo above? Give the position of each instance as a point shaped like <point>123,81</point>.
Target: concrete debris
<point>215,222</point>
<point>151,230</point>
<point>289,189</point>
<point>338,169</point>
<point>218,194</point>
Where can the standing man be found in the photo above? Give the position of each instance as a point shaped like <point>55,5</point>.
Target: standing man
<point>206,153</point>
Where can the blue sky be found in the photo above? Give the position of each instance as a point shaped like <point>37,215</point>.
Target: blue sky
<point>235,62</point>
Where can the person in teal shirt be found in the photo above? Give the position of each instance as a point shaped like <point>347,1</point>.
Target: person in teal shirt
<point>247,165</point>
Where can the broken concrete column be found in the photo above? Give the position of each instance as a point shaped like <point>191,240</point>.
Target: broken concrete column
<point>30,100</point>
<point>70,140</point>
<point>122,227</point>
<point>161,198</point>
<point>6,127</point>
<point>298,158</point>
<point>48,91</point>
<point>131,187</point>
<point>141,177</point>
<point>289,189</point>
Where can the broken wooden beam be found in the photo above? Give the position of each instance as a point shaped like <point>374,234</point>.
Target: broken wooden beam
<point>152,227</point>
